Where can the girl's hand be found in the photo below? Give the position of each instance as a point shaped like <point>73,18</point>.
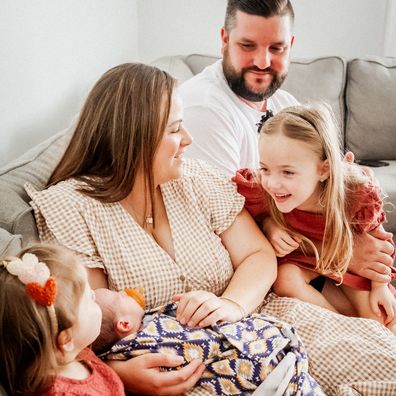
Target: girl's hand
<point>141,375</point>
<point>381,296</point>
<point>201,308</point>
<point>282,242</point>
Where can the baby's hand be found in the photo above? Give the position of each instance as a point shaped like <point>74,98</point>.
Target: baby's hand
<point>282,242</point>
<point>381,296</point>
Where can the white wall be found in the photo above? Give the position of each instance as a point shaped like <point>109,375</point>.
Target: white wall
<point>348,28</point>
<point>51,51</point>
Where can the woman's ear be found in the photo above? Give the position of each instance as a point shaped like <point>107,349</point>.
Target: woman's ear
<point>65,341</point>
<point>324,171</point>
<point>123,326</point>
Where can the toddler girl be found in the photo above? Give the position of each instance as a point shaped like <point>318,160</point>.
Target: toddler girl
<point>48,317</point>
<point>316,203</point>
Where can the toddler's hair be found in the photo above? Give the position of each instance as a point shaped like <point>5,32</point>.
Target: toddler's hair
<point>316,126</point>
<point>29,357</point>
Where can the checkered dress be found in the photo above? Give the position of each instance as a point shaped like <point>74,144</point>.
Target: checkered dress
<point>347,356</point>
<point>200,206</point>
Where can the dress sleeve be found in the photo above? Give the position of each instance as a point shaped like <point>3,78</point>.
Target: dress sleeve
<point>251,189</point>
<point>60,213</point>
<point>366,207</point>
<point>217,196</point>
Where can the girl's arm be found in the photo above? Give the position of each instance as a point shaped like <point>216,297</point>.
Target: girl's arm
<point>255,266</point>
<point>381,296</point>
<point>282,242</point>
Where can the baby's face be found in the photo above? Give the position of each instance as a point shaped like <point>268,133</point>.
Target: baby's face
<point>125,308</point>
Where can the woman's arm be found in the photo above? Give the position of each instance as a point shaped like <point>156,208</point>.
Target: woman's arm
<point>141,374</point>
<point>253,259</point>
<point>255,266</point>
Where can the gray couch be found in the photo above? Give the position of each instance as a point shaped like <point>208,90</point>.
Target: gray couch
<point>362,93</point>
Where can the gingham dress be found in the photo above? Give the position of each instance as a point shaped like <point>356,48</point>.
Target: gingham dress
<point>200,206</point>
<point>347,356</point>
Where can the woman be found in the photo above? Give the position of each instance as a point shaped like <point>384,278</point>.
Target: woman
<point>122,198</point>
<point>137,214</point>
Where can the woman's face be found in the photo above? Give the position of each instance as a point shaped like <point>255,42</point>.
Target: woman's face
<point>168,160</point>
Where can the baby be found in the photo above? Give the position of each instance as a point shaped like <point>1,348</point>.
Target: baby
<point>238,356</point>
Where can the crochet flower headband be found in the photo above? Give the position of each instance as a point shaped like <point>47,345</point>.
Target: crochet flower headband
<point>40,285</point>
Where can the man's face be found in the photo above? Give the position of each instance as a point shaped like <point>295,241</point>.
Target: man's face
<point>256,54</point>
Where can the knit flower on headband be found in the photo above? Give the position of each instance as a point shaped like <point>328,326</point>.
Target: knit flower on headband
<point>40,285</point>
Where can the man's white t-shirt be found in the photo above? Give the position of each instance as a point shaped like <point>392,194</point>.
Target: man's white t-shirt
<point>224,128</point>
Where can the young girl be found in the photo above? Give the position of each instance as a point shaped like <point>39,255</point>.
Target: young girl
<point>48,316</point>
<point>316,203</point>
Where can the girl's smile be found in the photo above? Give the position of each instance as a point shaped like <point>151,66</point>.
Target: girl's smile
<point>290,172</point>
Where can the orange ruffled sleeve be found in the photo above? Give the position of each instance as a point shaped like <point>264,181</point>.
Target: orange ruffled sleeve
<point>255,196</point>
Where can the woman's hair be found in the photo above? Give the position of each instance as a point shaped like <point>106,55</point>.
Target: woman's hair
<point>29,356</point>
<point>118,132</point>
<point>316,127</point>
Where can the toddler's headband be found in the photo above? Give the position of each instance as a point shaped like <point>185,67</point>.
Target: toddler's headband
<point>40,285</point>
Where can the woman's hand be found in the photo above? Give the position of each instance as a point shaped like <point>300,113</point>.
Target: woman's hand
<point>282,242</point>
<point>141,375</point>
<point>381,296</point>
<point>201,308</point>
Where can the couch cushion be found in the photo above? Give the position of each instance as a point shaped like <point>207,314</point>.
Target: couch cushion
<point>175,66</point>
<point>35,166</point>
<point>371,104</point>
<point>319,80</point>
<point>386,176</point>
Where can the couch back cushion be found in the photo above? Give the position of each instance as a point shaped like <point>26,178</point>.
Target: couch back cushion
<point>371,108</point>
<point>35,167</point>
<point>309,80</point>
<point>319,80</point>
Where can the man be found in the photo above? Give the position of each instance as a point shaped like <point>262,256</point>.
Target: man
<point>225,102</point>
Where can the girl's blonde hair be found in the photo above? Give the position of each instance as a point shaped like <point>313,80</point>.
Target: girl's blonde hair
<point>29,356</point>
<point>316,127</point>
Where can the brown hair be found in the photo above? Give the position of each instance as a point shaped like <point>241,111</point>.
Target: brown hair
<point>28,351</point>
<point>118,132</point>
<point>317,127</point>
<point>264,8</point>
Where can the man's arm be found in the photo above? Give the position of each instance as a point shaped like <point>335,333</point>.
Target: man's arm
<point>372,255</point>
<point>214,137</point>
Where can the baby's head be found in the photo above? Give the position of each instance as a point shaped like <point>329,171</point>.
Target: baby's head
<point>122,315</point>
<point>46,305</point>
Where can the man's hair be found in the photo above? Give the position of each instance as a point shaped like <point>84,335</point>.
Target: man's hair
<point>264,8</point>
<point>28,348</point>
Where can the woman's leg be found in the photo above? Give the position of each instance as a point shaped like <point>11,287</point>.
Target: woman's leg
<point>293,281</point>
<point>343,352</point>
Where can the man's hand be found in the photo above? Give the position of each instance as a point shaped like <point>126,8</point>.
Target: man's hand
<point>372,255</point>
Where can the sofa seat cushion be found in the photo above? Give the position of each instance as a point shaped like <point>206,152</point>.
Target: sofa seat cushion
<point>371,108</point>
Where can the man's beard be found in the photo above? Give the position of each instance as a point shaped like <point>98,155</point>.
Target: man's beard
<point>236,81</point>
